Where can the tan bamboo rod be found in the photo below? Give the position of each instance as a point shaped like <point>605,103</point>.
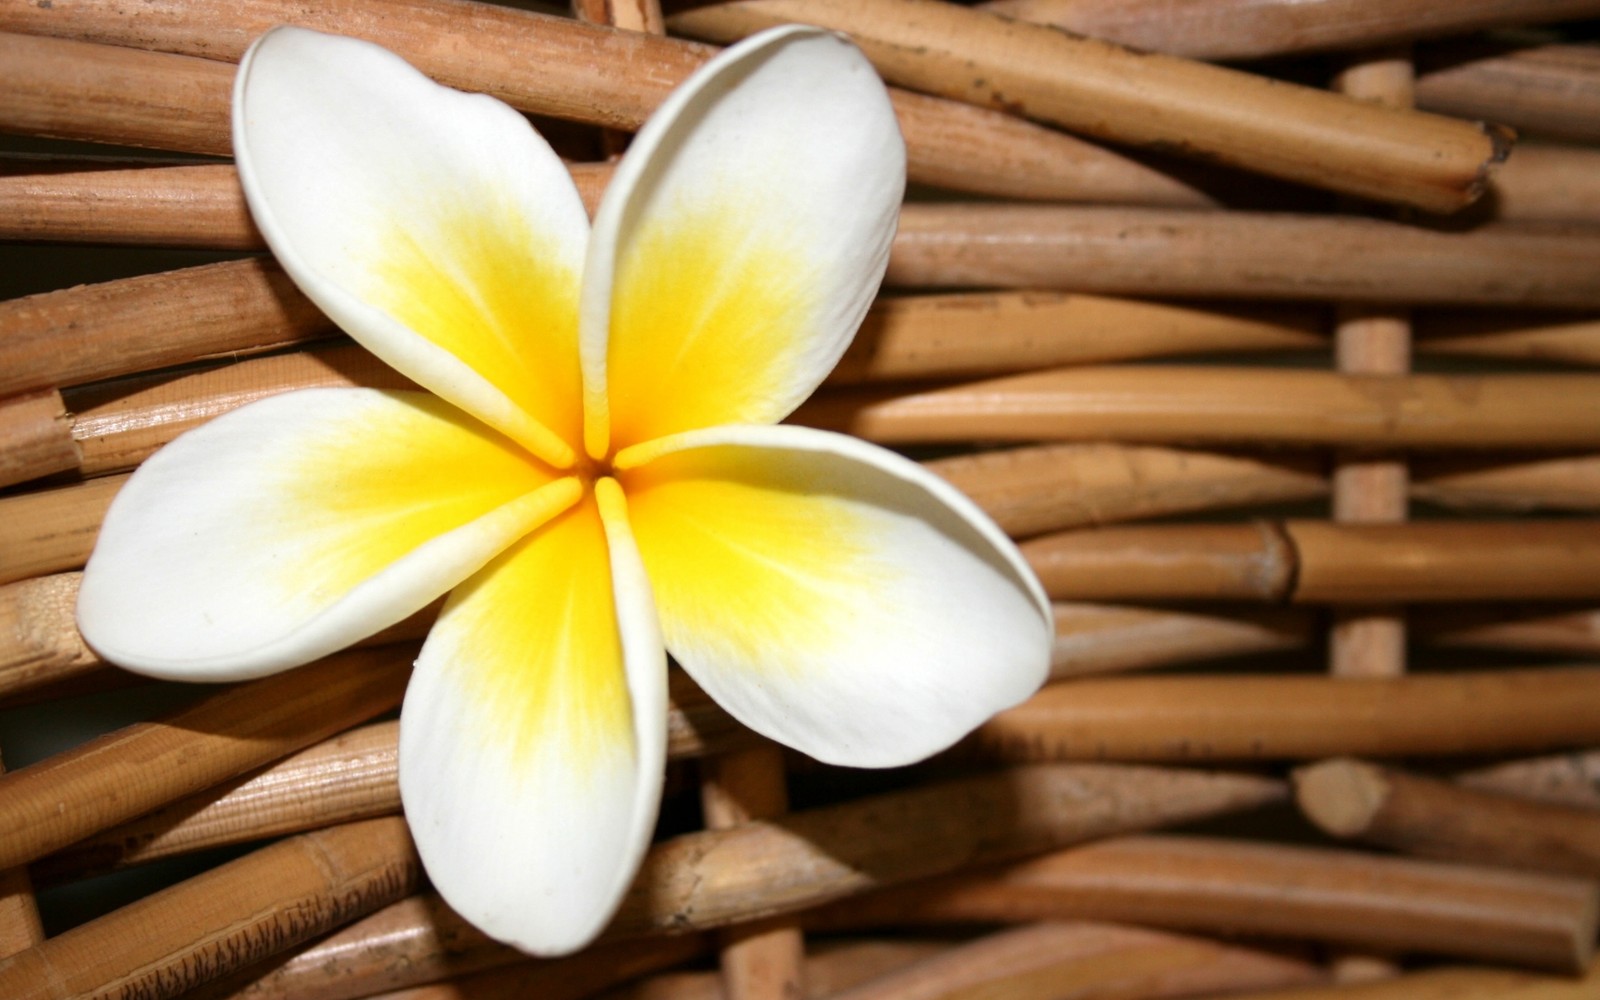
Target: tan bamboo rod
<point>39,640</point>
<point>564,68</point>
<point>575,977</point>
<point>1251,29</point>
<point>1288,716</point>
<point>1546,90</point>
<point>123,774</point>
<point>1566,779</point>
<point>195,205</point>
<point>1226,405</point>
<point>1054,959</point>
<point>1465,983</point>
<point>1548,183</point>
<point>1211,562</point>
<point>35,437</point>
<point>1561,339</point>
<point>20,928</point>
<point>1109,638</point>
<point>830,968</point>
<point>1518,628</point>
<point>223,920</point>
<point>1354,799</point>
<point>1205,884</point>
<point>1568,482</point>
<point>765,960</point>
<point>1251,255</point>
<point>1109,92</point>
<point>152,321</point>
<point>48,531</point>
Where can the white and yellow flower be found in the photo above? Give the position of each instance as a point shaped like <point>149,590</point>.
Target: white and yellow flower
<point>596,475</point>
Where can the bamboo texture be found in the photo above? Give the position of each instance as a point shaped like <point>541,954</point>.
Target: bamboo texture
<point>1547,90</point>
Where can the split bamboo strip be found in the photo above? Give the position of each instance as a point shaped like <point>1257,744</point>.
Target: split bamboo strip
<point>198,205</point>
<point>1425,816</point>
<point>1046,961</point>
<point>1548,90</point>
<point>1565,483</point>
<point>567,69</point>
<point>1251,29</point>
<point>68,89</point>
<point>1051,487</point>
<point>223,920</point>
<point>153,321</point>
<point>1287,716</point>
<point>351,777</point>
<point>763,960</point>
<point>1548,183</point>
<point>572,978</point>
<point>1568,779</point>
<point>1467,983</point>
<point>830,968</point>
<point>52,530</point>
<point>1109,92</point>
<point>1253,255</point>
<point>1227,405</point>
<point>20,928</point>
<point>1574,340</point>
<point>1106,638</point>
<point>766,868</point>
<point>1213,885</point>
<point>129,772</point>
<point>35,437</point>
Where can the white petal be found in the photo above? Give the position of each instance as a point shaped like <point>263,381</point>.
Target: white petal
<point>832,595</point>
<point>741,240</point>
<point>533,735</point>
<point>435,227</point>
<point>289,528</point>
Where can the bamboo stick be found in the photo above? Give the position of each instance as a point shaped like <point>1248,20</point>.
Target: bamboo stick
<point>1547,90</point>
<point>1519,628</point>
<point>1213,562</point>
<point>830,968</point>
<point>1255,255</point>
<point>1567,779</point>
<point>129,772</point>
<point>571,978</point>
<point>196,205</point>
<point>52,530</point>
<point>35,437</point>
<point>1103,638</point>
<point>1251,29</point>
<point>1467,983</point>
<point>1436,819</point>
<point>1222,405</point>
<point>1051,960</point>
<point>1286,716</point>
<point>136,324</point>
<point>566,69</point>
<point>20,928</point>
<point>765,960</point>
<point>39,640</point>
<point>217,922</point>
<point>1214,885</point>
<point>68,89</point>
<point>1566,483</point>
<point>1051,487</point>
<point>1108,92</point>
<point>1566,340</point>
<point>1548,183</point>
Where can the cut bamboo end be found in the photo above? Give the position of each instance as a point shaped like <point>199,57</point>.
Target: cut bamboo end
<point>1109,92</point>
<point>1341,796</point>
<point>35,437</point>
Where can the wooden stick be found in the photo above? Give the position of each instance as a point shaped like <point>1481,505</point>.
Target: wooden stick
<point>1251,29</point>
<point>1240,887</point>
<point>123,774</point>
<point>1467,983</point>
<point>1548,183</point>
<point>1565,483</point>
<point>572,978</point>
<point>1568,340</point>
<point>1104,638</point>
<point>566,69</point>
<point>763,961</point>
<point>1221,405</point>
<point>1213,562</point>
<point>39,640</point>
<point>195,205</point>
<point>1436,819</point>
<point>20,928</point>
<point>1519,628</point>
<point>217,922</point>
<point>1568,779</point>
<point>830,968</point>
<point>1252,255</point>
<point>1278,717</point>
<point>1548,90</point>
<point>52,530</point>
<point>152,321</point>
<point>35,437</point>
<point>1109,92</point>
<point>1050,960</point>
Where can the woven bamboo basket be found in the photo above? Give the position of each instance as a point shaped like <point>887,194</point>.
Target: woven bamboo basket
<point>1274,358</point>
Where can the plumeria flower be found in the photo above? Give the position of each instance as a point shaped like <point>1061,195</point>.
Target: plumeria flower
<point>594,475</point>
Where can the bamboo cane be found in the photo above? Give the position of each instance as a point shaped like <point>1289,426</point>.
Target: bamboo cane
<point>1251,29</point>
<point>1221,405</point>
<point>566,69</point>
<point>1565,483</point>
<point>20,928</point>
<point>1568,779</point>
<point>1436,819</point>
<point>35,437</point>
<point>1109,92</point>
<point>1286,716</point>
<point>220,921</point>
<point>1256,255</point>
<point>1467,983</point>
<point>1050,960</point>
<point>1103,638</point>
<point>830,968</point>
<point>1240,887</point>
<point>1520,628</point>
<point>1548,90</point>
<point>572,978</point>
<point>195,205</point>
<point>129,772</point>
<point>1548,183</point>
<point>52,530</point>
<point>1567,340</point>
<point>1212,562</point>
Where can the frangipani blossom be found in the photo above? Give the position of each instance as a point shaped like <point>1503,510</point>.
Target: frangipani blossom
<point>594,475</point>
